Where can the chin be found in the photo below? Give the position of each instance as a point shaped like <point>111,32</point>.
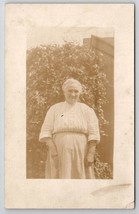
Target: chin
<point>71,101</point>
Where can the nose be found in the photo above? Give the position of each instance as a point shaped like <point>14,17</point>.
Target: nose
<point>73,94</point>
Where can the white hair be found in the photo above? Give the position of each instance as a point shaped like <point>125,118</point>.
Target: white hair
<point>70,82</point>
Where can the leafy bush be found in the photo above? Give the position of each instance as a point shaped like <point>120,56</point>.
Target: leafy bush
<point>102,170</point>
<point>48,67</point>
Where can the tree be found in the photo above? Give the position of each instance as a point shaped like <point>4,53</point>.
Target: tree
<point>47,68</point>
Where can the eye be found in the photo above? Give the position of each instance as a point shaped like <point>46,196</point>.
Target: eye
<point>75,91</point>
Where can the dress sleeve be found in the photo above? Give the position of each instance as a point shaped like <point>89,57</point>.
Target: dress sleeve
<point>93,126</point>
<point>48,125</point>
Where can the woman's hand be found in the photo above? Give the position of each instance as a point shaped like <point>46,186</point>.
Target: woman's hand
<point>52,146</point>
<point>90,155</point>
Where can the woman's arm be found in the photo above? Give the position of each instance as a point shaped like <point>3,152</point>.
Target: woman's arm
<point>90,154</point>
<point>93,137</point>
<point>51,145</point>
<point>46,134</point>
<point>47,126</point>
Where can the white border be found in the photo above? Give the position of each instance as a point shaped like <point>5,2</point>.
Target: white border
<point>2,103</point>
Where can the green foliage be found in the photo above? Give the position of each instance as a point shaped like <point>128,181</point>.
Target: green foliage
<point>48,67</point>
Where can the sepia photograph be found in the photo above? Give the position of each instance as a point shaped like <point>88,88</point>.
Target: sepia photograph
<point>69,106</point>
<point>70,103</point>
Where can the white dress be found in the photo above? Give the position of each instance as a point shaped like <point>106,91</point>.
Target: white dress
<point>70,127</point>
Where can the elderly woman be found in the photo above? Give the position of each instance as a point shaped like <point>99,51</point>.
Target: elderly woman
<point>71,131</point>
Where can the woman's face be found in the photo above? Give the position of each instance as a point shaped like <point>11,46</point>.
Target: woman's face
<point>72,94</point>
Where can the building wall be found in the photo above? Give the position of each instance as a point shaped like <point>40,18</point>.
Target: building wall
<point>106,46</point>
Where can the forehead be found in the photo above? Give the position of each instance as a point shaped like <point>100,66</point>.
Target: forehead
<point>73,87</point>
